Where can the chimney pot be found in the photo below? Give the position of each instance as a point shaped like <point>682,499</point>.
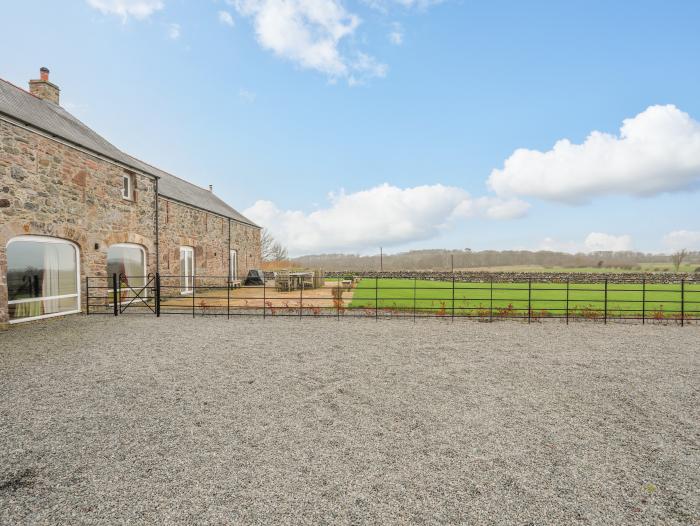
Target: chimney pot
<point>44,73</point>
<point>211,188</point>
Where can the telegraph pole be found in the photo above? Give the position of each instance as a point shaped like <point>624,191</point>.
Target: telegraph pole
<point>381,259</point>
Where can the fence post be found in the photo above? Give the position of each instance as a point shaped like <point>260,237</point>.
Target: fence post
<point>87,296</point>
<point>682,302</point>
<point>491,301</point>
<point>264,296</point>
<point>376,299</point>
<point>606,301</point>
<point>453,296</point>
<point>157,294</point>
<point>301,297</point>
<point>229,284</point>
<point>567,300</point>
<point>115,297</point>
<point>194,288</point>
<point>529,300</point>
<point>644,300</point>
<point>414,298</point>
<point>337,301</point>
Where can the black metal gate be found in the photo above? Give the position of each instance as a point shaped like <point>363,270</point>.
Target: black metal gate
<point>115,295</point>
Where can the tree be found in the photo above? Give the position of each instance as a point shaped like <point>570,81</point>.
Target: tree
<point>678,257</point>
<point>271,249</point>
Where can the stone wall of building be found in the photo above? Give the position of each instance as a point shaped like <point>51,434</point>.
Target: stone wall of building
<point>49,188</point>
<point>208,234</point>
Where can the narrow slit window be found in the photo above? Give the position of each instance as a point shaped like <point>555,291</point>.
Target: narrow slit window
<point>128,187</point>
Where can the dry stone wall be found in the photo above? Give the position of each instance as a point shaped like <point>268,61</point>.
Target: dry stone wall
<point>539,277</point>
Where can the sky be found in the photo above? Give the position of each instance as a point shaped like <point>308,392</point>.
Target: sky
<point>407,124</point>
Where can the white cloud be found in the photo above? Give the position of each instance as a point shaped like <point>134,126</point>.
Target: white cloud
<point>138,9</point>
<point>396,34</point>
<point>226,18</point>
<point>594,242</point>
<point>246,95</point>
<point>679,239</point>
<point>173,31</point>
<point>385,215</point>
<point>600,242</point>
<point>656,151</point>
<point>385,5</point>
<point>310,33</point>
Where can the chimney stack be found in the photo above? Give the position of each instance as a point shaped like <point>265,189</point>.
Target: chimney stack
<point>44,89</point>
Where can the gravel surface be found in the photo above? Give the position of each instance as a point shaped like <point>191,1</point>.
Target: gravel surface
<point>314,421</point>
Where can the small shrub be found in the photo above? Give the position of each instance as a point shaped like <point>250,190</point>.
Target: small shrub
<point>442,311</point>
<point>505,312</point>
<point>659,314</point>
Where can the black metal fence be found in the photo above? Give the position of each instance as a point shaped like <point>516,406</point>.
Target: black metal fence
<point>677,301</point>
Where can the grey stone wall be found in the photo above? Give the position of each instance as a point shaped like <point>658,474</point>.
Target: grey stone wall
<point>48,188</point>
<point>208,234</point>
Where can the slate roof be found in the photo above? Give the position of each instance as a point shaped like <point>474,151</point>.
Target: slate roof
<point>50,118</point>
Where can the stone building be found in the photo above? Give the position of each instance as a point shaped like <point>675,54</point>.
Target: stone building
<point>73,205</point>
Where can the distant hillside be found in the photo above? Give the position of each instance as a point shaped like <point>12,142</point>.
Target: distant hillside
<point>466,259</point>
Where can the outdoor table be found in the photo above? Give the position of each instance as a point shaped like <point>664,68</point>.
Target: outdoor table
<point>297,278</point>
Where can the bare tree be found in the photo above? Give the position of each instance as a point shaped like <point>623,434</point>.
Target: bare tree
<point>678,257</point>
<point>272,250</point>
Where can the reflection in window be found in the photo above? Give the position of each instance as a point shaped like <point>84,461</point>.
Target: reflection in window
<point>128,262</point>
<point>42,277</point>
<point>186,269</point>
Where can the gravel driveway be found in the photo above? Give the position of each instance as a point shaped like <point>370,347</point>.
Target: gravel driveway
<point>314,421</point>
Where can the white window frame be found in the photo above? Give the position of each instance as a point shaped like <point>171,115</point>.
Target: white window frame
<point>183,274</point>
<point>233,264</point>
<point>129,179</point>
<point>144,294</point>
<point>47,239</point>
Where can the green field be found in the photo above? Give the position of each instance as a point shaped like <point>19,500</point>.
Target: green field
<point>660,301</point>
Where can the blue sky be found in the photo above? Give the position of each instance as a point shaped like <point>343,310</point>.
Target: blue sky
<point>343,125</point>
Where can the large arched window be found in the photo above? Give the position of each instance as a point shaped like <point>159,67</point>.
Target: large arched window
<point>42,277</point>
<point>128,262</point>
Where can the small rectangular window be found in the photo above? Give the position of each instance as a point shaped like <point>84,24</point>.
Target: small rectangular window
<point>127,187</point>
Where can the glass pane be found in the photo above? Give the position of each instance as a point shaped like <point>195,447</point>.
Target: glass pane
<point>32,309</point>
<point>127,262</point>
<point>186,268</point>
<point>234,264</point>
<point>39,269</point>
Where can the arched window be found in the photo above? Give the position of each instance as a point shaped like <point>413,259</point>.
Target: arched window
<point>128,262</point>
<point>43,277</point>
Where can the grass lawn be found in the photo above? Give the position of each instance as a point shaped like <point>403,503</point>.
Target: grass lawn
<point>511,299</point>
